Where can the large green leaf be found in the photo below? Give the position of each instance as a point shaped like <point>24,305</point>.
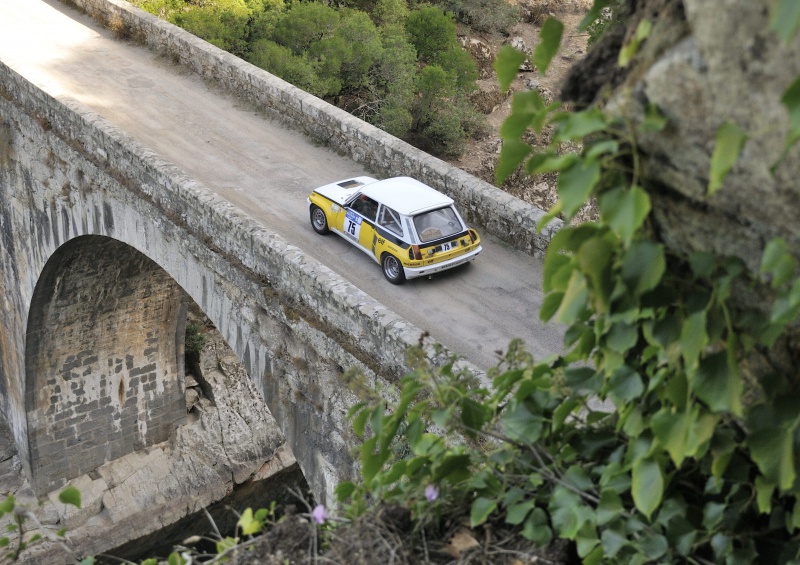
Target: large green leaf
<point>729,143</point>
<point>693,340</point>
<point>248,524</point>
<point>772,449</point>
<point>791,100</point>
<point>764,491</point>
<point>70,495</point>
<point>567,512</point>
<point>520,424</point>
<point>481,510</point>
<point>549,163</point>
<point>452,468</point>
<point>507,65</point>
<point>573,304</point>
<point>610,507</point>
<point>625,210</point>
<point>647,487</point>
<point>577,125</point>
<point>526,110</point>
<point>595,258</point>
<point>583,381</point>
<point>625,385</point>
<point>643,266</point>
<point>549,43</point>
<point>785,19</point>
<point>550,305</point>
<point>575,185</point>
<point>537,528</point>
<point>718,383</point>
<point>777,262</point>
<point>594,13</point>
<point>512,153</point>
<point>613,541</point>
<point>622,336</point>
<point>516,513</point>
<point>630,49</point>
<point>683,434</point>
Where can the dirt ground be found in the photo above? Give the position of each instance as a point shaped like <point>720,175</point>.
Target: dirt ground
<point>481,155</point>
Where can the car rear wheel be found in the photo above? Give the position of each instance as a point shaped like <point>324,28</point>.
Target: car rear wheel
<point>392,269</point>
<point>318,220</point>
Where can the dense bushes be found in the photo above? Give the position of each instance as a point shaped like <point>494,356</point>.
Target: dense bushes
<point>402,70</point>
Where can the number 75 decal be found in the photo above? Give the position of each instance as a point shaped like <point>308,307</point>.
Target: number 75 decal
<point>352,224</point>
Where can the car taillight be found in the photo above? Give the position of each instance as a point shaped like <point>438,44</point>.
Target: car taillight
<point>473,236</point>
<point>414,253</point>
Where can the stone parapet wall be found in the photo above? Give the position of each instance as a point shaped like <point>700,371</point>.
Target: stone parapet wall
<point>499,213</point>
<point>295,324</point>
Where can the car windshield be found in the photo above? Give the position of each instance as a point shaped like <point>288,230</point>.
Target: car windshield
<point>437,224</point>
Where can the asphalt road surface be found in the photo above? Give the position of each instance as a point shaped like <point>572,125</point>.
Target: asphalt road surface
<point>267,171</point>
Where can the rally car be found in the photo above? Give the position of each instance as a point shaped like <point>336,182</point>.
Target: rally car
<point>409,228</point>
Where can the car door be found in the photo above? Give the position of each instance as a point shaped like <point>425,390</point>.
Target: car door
<point>359,222</point>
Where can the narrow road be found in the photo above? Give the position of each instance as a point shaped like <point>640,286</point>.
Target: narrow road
<point>267,171</point>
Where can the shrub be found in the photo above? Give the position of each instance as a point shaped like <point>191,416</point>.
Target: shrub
<point>390,12</point>
<point>488,16</point>
<point>305,25</point>
<point>432,32</point>
<point>282,62</point>
<point>220,22</point>
<point>195,339</point>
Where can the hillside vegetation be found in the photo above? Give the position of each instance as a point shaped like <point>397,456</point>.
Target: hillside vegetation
<point>396,65</point>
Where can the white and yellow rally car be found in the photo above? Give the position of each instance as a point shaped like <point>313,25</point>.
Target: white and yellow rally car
<point>408,227</point>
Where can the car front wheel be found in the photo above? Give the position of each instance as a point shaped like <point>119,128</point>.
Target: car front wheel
<point>392,269</point>
<point>318,220</point>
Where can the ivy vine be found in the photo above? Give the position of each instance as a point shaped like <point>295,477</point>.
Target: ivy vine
<point>692,463</point>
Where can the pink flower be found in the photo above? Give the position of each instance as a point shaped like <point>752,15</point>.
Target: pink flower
<point>431,493</point>
<point>320,514</point>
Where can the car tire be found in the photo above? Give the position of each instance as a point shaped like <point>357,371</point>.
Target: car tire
<point>319,221</point>
<point>392,269</point>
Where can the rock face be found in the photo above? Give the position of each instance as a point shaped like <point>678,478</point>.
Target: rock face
<point>705,63</point>
<point>230,451</point>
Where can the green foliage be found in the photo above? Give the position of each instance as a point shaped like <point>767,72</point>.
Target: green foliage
<point>390,12</point>
<point>440,113</point>
<point>220,22</point>
<point>432,32</point>
<point>487,16</point>
<point>195,340</point>
<point>785,19</point>
<point>23,535</point>
<point>304,25</point>
<point>604,16</point>
<point>70,495</point>
<point>637,443</point>
<point>630,49</point>
<point>374,67</point>
<point>730,140</point>
<point>550,40</point>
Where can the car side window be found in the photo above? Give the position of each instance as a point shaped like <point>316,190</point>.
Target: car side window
<point>365,206</point>
<point>390,220</point>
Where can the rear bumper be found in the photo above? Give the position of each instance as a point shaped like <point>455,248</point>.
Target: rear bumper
<point>412,273</point>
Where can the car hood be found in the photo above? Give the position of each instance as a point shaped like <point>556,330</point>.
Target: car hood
<point>340,192</point>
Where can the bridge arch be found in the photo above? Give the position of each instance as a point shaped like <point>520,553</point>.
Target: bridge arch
<point>103,358</point>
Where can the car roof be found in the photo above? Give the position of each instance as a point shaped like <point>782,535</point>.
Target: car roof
<point>406,195</point>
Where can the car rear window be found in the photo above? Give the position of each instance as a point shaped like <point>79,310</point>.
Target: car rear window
<point>437,224</point>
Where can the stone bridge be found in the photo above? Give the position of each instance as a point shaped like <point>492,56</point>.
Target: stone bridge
<point>103,243</point>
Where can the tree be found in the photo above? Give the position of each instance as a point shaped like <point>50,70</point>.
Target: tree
<point>432,32</point>
<point>697,462</point>
<point>220,22</point>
